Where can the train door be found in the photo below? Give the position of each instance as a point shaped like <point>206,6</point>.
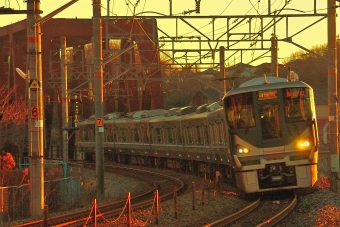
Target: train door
<point>271,130</point>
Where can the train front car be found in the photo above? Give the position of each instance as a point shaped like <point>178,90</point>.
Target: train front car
<point>273,134</point>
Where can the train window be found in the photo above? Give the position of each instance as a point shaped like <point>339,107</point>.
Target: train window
<point>298,104</point>
<point>148,137</point>
<point>158,135</point>
<point>107,135</point>
<point>206,135</point>
<point>123,135</point>
<point>170,135</point>
<point>190,135</point>
<point>239,110</point>
<point>270,120</point>
<point>136,135</point>
<point>115,134</point>
<point>199,135</point>
<point>220,132</point>
<point>180,136</point>
<point>84,136</point>
<point>185,135</point>
<point>91,135</point>
<point>212,134</point>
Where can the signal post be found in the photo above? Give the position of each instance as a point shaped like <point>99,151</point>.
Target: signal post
<point>333,97</point>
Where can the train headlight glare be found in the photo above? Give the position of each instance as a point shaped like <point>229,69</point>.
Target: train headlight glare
<point>305,143</point>
<point>242,150</point>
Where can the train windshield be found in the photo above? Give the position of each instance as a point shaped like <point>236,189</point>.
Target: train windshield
<point>240,111</point>
<point>298,105</point>
<point>270,120</point>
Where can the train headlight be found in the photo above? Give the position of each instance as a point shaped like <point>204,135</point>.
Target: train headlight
<point>241,149</point>
<point>305,143</point>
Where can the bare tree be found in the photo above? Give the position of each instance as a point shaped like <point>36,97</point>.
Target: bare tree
<point>13,126</point>
<point>311,68</point>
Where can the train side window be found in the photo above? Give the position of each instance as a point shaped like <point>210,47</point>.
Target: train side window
<point>206,135</point>
<point>184,136</point>
<point>107,135</point>
<point>158,135</point>
<point>91,136</point>
<point>217,134</point>
<point>170,136</point>
<point>115,134</point>
<point>180,136</point>
<point>84,136</point>
<point>199,135</point>
<point>147,135</point>
<point>123,135</point>
<point>151,136</point>
<point>110,135</point>
<point>211,133</point>
<point>142,134</point>
<point>190,135</point>
<point>220,132</point>
<point>136,135</point>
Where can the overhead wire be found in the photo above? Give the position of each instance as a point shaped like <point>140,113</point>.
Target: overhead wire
<point>253,37</point>
<point>253,7</point>
<point>269,24</point>
<point>134,20</point>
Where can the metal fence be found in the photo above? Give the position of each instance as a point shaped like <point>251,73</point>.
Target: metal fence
<point>60,195</point>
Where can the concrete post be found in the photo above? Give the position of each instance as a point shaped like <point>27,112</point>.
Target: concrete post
<point>98,96</point>
<point>36,110</point>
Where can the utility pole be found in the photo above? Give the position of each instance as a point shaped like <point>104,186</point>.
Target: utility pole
<point>98,96</point>
<point>35,109</point>
<point>333,96</point>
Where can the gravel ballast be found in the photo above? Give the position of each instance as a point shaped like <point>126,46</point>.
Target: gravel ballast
<point>317,206</point>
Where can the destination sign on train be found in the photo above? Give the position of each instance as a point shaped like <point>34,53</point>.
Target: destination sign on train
<point>295,93</point>
<point>270,94</point>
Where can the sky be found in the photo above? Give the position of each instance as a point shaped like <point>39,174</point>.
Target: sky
<point>314,35</point>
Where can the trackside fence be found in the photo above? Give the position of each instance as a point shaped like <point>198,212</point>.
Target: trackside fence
<point>60,195</point>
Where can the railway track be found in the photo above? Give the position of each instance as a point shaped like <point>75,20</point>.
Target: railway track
<point>81,218</point>
<point>255,214</point>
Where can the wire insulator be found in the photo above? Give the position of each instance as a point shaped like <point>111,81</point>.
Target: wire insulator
<point>198,6</point>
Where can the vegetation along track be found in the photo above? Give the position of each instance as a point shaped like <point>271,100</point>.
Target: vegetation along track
<point>158,180</point>
<point>262,212</point>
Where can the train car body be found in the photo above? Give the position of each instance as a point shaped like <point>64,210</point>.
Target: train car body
<point>273,134</point>
<point>263,135</point>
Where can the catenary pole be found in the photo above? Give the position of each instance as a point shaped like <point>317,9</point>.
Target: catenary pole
<point>333,96</point>
<point>98,96</point>
<point>274,57</point>
<point>222,69</point>
<point>35,108</point>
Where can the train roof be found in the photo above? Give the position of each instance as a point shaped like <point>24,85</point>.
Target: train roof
<point>265,83</point>
<point>113,115</point>
<point>147,115</point>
